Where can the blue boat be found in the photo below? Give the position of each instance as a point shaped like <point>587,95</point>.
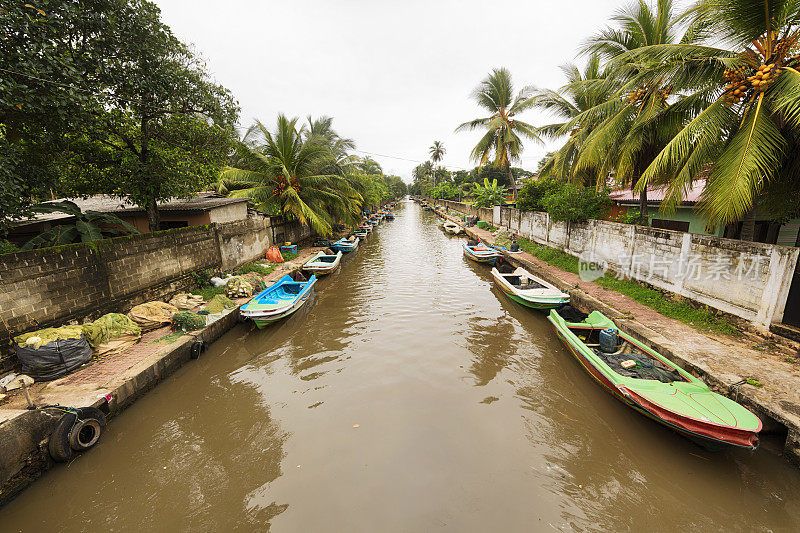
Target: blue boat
<point>345,245</point>
<point>481,253</point>
<point>277,301</point>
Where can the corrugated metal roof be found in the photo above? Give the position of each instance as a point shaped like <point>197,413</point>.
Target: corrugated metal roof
<point>657,194</point>
<point>203,201</point>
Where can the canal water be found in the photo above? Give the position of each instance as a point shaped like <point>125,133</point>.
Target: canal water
<point>409,395</point>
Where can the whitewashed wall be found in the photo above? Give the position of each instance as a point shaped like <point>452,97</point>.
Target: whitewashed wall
<point>746,279</point>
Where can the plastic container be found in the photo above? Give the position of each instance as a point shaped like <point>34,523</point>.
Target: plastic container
<point>289,249</point>
<point>608,340</point>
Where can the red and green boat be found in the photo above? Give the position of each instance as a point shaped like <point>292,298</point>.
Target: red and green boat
<point>655,386</point>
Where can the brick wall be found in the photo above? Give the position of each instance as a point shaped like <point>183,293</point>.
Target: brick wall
<point>50,287</point>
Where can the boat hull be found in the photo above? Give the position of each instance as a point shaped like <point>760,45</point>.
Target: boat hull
<point>540,305</point>
<point>710,436</point>
<point>488,258</point>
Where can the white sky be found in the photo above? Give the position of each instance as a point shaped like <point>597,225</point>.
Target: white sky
<point>395,75</point>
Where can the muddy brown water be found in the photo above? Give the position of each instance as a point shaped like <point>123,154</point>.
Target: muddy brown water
<point>470,417</point>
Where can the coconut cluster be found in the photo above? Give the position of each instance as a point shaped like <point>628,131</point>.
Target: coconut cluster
<point>740,85</point>
<point>637,95</point>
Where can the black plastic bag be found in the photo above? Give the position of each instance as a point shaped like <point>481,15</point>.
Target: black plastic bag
<point>54,359</point>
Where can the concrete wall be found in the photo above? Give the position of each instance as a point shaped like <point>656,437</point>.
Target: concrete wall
<point>749,280</point>
<point>51,286</point>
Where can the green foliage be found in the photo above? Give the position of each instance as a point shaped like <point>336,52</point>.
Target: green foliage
<point>256,267</point>
<point>502,140</point>
<point>630,216</point>
<point>7,247</point>
<point>573,203</point>
<point>557,258</point>
<point>208,292</point>
<point>187,321</point>
<point>489,194</point>
<point>288,256</point>
<point>533,192</point>
<point>88,226</point>
<point>202,278</point>
<point>754,382</point>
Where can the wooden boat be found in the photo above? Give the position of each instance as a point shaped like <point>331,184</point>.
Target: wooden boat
<point>277,301</point>
<point>389,216</point>
<point>323,263</point>
<point>528,290</point>
<point>452,228</point>
<point>481,253</point>
<point>655,386</point>
<point>345,245</point>
<point>361,234</point>
<point>366,227</point>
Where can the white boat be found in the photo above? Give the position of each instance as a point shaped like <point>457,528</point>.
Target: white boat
<point>529,290</point>
<point>323,263</point>
<point>452,228</point>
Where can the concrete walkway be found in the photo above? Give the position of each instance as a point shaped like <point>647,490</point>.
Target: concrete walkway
<point>111,384</point>
<point>722,361</point>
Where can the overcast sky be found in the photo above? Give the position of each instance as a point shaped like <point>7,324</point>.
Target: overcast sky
<point>395,75</point>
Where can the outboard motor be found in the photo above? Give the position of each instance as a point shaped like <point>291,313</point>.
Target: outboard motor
<point>609,339</point>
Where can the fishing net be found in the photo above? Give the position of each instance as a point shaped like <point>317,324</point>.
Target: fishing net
<point>36,339</point>
<point>219,303</point>
<point>187,321</point>
<point>645,367</point>
<point>238,287</point>
<point>184,300</point>
<point>504,240</point>
<point>256,280</point>
<point>111,333</point>
<point>152,315</point>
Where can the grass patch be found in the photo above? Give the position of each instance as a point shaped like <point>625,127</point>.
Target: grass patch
<point>557,258</point>
<point>255,267</point>
<point>209,292</point>
<point>288,256</point>
<point>700,318</point>
<point>754,382</point>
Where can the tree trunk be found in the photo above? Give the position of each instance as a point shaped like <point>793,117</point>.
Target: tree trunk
<point>512,181</point>
<point>153,218</point>
<point>643,207</point>
<point>748,232</point>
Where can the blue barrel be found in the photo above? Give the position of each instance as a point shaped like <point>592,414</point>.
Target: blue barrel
<point>609,340</point>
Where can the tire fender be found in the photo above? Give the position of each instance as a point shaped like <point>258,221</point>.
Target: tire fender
<point>90,424</point>
<point>58,444</point>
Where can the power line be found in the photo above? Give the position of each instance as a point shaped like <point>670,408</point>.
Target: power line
<point>403,158</point>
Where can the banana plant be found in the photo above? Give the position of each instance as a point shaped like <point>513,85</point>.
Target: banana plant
<point>88,226</point>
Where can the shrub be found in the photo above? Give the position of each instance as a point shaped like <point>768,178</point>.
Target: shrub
<point>7,247</point>
<point>202,278</point>
<point>490,194</point>
<point>572,203</point>
<point>530,196</point>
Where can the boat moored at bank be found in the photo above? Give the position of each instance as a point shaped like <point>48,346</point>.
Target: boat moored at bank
<point>529,290</point>
<point>481,253</point>
<point>653,385</point>
<point>322,263</point>
<point>278,301</point>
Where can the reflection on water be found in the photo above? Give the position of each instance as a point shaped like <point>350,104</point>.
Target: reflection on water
<point>408,395</point>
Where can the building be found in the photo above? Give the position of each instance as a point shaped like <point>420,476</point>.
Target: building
<point>687,217</point>
<point>198,210</point>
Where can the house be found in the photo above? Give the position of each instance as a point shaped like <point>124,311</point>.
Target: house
<point>200,209</point>
<point>687,217</point>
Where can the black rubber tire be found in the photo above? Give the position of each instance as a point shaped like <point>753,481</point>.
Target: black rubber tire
<point>58,444</point>
<point>89,426</point>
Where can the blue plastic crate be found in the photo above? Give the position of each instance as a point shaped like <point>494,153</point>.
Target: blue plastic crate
<point>289,249</point>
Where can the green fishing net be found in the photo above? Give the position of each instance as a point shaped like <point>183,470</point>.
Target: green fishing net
<point>187,321</point>
<point>108,327</point>
<point>503,239</point>
<point>47,335</point>
<point>219,303</point>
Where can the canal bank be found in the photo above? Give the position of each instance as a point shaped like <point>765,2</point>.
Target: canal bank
<point>409,395</point>
<point>723,362</point>
<point>110,384</point>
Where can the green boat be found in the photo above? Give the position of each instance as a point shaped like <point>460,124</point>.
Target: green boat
<point>655,386</point>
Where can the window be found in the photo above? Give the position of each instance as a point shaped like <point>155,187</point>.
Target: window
<point>677,225</point>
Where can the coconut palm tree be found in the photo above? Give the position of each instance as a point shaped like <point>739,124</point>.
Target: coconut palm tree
<point>583,91</point>
<point>626,131</point>
<point>285,173</point>
<point>742,92</point>
<point>437,152</point>
<point>502,141</point>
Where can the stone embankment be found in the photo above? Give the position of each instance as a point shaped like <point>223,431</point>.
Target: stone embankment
<point>110,384</point>
<point>722,361</point>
